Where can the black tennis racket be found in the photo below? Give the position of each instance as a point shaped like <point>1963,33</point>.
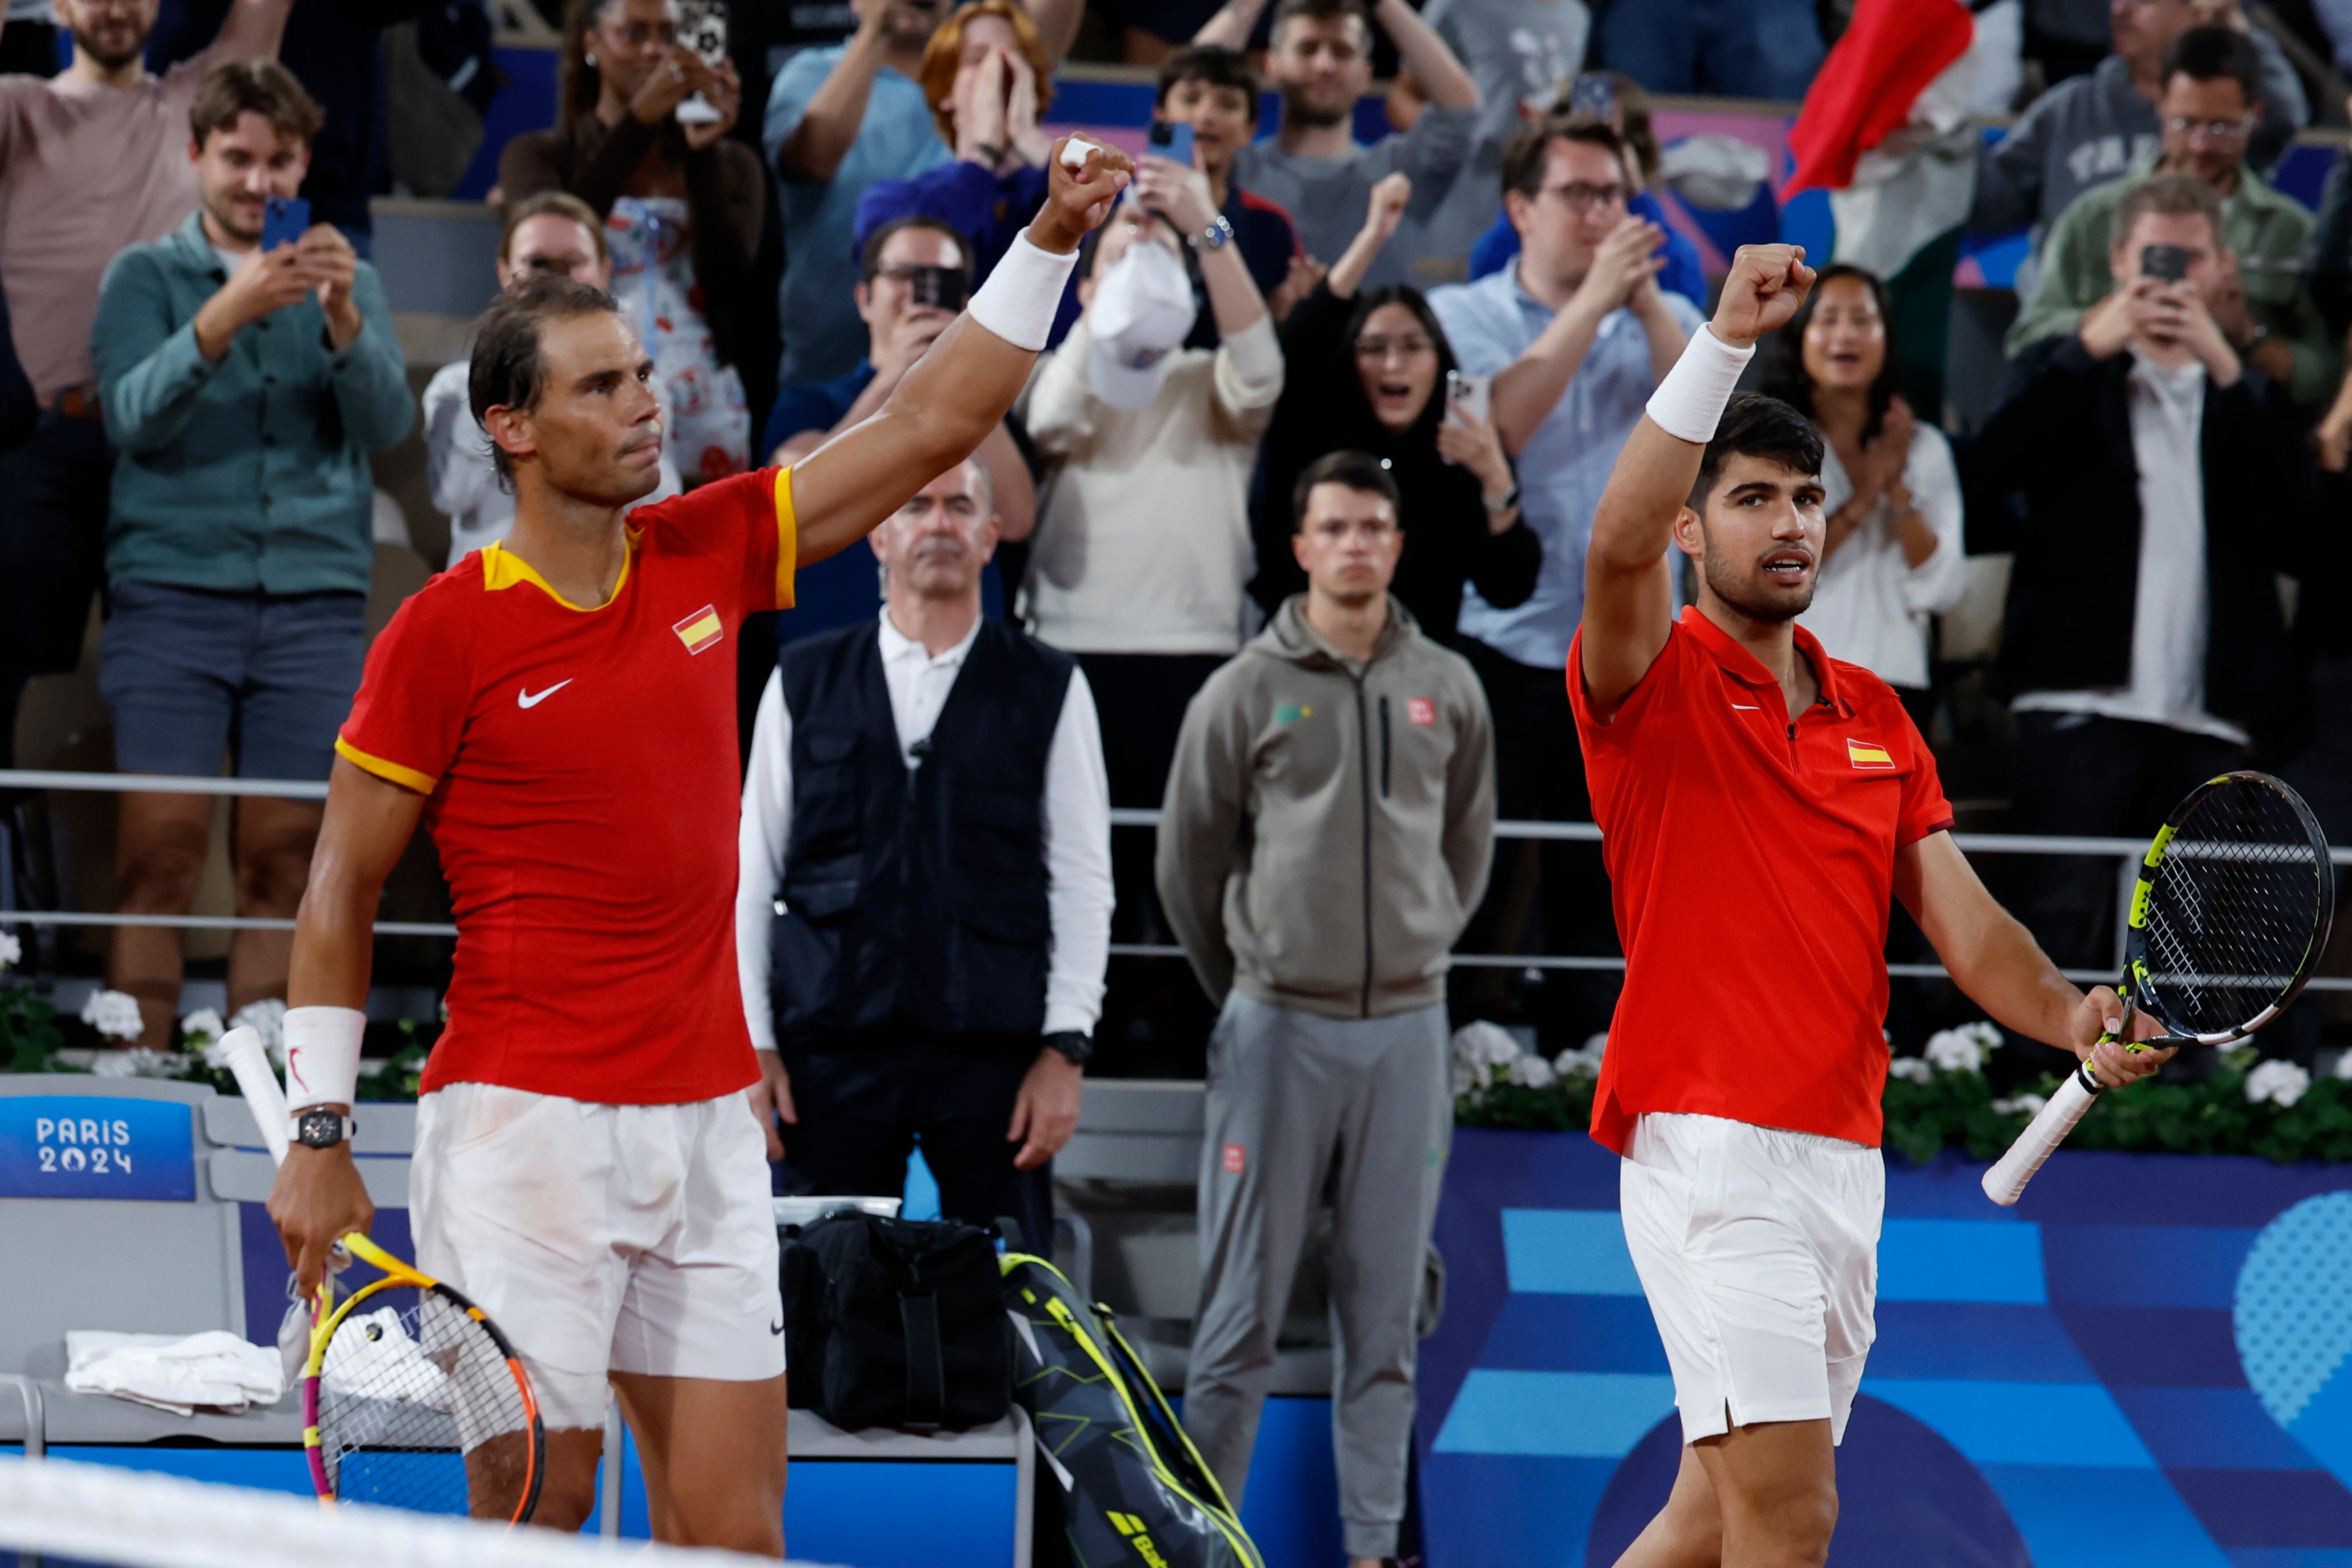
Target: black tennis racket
<point>2228,919</point>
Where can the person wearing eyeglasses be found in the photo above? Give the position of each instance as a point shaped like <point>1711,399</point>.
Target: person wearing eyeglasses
<point>1575,334</point>
<point>550,232</point>
<point>2211,103</point>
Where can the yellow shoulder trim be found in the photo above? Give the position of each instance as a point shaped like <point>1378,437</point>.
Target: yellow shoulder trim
<point>788,539</point>
<point>501,568</point>
<point>406,778</point>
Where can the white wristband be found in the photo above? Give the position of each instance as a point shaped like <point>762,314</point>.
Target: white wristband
<point>323,1056</point>
<point>1019,300</point>
<point>1690,401</point>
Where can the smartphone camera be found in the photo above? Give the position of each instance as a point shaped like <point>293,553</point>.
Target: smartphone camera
<point>2169,263</point>
<point>1173,143</point>
<point>944,288</point>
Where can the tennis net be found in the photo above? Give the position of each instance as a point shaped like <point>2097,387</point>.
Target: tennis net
<point>56,1514</point>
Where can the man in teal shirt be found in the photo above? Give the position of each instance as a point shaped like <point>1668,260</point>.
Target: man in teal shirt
<point>243,392</point>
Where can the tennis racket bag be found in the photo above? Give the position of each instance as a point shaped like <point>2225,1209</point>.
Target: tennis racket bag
<point>1135,1491</point>
<point>895,1322</point>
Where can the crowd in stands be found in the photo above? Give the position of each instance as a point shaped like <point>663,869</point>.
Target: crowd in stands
<point>1327,412</point>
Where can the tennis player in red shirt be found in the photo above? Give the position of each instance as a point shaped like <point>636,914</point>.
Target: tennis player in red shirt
<point>560,710</point>
<point>1761,803</point>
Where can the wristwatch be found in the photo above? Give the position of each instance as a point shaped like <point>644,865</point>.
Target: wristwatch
<point>1216,237</point>
<point>1497,508</point>
<point>1077,1047</point>
<point>321,1128</point>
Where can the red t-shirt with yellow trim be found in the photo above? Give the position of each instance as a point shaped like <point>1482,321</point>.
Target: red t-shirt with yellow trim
<point>1752,861</point>
<point>580,765</point>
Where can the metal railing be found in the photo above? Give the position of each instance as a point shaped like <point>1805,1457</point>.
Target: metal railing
<point>2127,852</point>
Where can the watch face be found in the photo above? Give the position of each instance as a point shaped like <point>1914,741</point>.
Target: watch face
<point>321,1129</point>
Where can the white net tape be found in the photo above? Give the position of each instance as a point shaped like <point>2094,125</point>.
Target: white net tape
<point>127,1519</point>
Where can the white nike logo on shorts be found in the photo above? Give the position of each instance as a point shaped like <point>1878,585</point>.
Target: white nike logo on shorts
<point>528,699</point>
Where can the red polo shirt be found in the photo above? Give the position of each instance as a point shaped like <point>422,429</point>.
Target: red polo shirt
<point>1752,861</point>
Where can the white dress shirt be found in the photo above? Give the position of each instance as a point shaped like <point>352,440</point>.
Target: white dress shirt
<point>2170,616</point>
<point>1871,606</point>
<point>1077,831</point>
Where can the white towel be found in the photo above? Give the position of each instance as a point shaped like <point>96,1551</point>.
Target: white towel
<point>214,1370</point>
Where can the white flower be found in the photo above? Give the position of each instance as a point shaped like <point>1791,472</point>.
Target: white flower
<point>11,950</point>
<point>110,1064</point>
<point>2029,1103</point>
<point>113,1013</point>
<point>2280,1083</point>
<point>2343,1064</point>
<point>1532,1072</point>
<point>1958,1050</point>
<point>1911,1069</point>
<point>266,1018</point>
<point>201,1027</point>
<point>1477,1050</point>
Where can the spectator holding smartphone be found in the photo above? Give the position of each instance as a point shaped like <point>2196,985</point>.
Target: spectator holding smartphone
<point>245,392</point>
<point>1371,371</point>
<point>682,206</point>
<point>550,232</point>
<point>1212,89</point>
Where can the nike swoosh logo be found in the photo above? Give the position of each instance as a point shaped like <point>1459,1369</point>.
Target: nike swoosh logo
<point>527,699</point>
<point>777,1327</point>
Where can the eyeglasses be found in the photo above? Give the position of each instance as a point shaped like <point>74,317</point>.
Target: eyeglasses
<point>2212,130</point>
<point>1582,196</point>
<point>638,35</point>
<point>1405,346</point>
<point>565,265</point>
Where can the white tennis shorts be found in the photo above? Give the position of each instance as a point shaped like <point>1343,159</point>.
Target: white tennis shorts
<point>603,1238</point>
<point>1758,1251</point>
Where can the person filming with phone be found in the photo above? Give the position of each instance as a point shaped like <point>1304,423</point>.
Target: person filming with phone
<point>2163,490</point>
<point>247,367</point>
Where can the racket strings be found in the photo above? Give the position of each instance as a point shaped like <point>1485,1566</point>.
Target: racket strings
<point>2232,910</point>
<point>419,1409</point>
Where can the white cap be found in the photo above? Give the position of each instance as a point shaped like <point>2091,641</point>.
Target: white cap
<point>1143,311</point>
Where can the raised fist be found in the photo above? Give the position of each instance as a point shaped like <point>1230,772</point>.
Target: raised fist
<point>1766,285</point>
<point>1080,192</point>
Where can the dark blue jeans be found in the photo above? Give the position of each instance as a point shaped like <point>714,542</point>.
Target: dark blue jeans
<point>1736,48</point>
<point>865,1108</point>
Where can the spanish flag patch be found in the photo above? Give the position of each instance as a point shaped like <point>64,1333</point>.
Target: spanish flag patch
<point>1868,754</point>
<point>700,629</point>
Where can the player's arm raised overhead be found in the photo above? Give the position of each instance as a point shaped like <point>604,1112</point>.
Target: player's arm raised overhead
<point>1628,581</point>
<point>961,388</point>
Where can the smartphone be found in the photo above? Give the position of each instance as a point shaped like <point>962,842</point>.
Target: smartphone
<point>2168,262</point>
<point>284,220</point>
<point>1469,395</point>
<point>702,27</point>
<point>946,288</point>
<point>1593,93</point>
<point>1173,143</point>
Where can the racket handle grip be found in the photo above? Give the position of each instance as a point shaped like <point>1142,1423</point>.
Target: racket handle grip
<point>2004,1182</point>
<point>257,1082</point>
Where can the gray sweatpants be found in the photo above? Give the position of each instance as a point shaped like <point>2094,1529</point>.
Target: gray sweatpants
<point>1297,1105</point>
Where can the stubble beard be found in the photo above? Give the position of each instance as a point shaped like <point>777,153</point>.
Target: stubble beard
<point>1765,604</point>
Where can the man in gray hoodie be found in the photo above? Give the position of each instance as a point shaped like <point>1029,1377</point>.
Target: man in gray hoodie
<point>2093,127</point>
<point>1328,822</point>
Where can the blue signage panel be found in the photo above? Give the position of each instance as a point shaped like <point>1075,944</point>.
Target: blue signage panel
<point>95,1146</point>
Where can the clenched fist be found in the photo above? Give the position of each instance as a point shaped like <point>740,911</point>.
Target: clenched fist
<point>1766,285</point>
<point>1078,196</point>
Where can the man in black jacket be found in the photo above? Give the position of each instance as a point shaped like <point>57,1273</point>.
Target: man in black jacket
<point>2145,645</point>
<point>924,913</point>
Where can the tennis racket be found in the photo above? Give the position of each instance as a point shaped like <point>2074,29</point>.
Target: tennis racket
<point>2227,921</point>
<point>412,1397</point>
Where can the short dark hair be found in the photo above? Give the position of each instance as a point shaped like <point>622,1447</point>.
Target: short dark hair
<point>869,260</point>
<point>1319,11</point>
<point>1755,426</point>
<point>507,370</point>
<point>1524,155</point>
<point>2167,195</point>
<point>2213,54</point>
<point>1212,64</point>
<point>1356,470</point>
<point>1783,360</point>
<point>232,91</point>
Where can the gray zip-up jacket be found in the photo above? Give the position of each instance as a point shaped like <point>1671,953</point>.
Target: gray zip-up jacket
<point>1328,826</point>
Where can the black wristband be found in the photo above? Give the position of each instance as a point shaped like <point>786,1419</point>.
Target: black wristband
<point>1073,1044</point>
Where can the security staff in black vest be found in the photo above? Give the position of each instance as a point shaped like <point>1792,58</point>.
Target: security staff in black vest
<point>924,914</point>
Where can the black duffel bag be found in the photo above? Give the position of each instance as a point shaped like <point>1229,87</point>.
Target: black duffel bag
<point>895,1322</point>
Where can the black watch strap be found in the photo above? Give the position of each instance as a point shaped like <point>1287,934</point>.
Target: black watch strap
<point>1071,1043</point>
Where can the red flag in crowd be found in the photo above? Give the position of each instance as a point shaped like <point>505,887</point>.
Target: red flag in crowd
<point>1890,52</point>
